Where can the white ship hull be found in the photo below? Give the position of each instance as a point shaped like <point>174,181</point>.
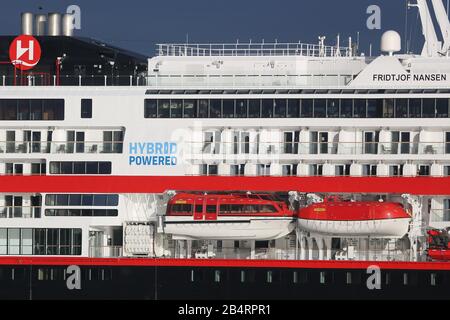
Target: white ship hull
<point>389,228</point>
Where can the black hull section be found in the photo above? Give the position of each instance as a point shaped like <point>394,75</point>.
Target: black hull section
<point>27,282</point>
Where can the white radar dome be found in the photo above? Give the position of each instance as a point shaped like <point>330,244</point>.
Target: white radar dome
<point>391,42</point>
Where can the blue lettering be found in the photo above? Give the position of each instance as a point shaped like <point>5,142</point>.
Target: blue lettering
<point>174,161</point>
<point>133,148</point>
<point>173,148</point>
<point>132,160</point>
<point>158,148</point>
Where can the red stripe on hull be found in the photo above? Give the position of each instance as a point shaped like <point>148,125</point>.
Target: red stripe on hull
<point>289,264</point>
<point>157,184</point>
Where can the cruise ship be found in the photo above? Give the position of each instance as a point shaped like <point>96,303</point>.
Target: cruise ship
<point>224,171</point>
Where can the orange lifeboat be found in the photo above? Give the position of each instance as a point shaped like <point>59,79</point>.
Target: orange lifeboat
<point>193,216</point>
<point>355,219</point>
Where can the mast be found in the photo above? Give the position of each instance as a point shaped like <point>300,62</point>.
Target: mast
<point>432,46</point>
<point>444,24</point>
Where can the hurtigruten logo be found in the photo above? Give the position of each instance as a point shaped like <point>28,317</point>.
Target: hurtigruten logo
<point>152,154</point>
<point>408,77</point>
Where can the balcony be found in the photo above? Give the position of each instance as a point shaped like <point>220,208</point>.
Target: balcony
<point>22,212</point>
<point>90,147</point>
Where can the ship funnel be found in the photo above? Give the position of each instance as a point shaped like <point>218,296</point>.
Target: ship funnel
<point>54,24</point>
<point>67,25</point>
<point>40,21</point>
<point>27,23</point>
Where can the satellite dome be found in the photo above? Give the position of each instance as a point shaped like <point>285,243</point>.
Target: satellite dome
<point>391,42</point>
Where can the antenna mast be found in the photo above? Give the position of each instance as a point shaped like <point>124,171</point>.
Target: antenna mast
<point>444,25</point>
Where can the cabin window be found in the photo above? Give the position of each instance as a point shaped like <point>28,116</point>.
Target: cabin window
<point>80,168</point>
<point>267,108</point>
<point>442,108</point>
<point>217,275</point>
<point>254,108</point>
<point>333,108</point>
<point>151,108</point>
<point>401,108</point>
<point>360,108</point>
<point>31,109</point>
<point>279,108</point>
<point>215,108</point>
<point>320,108</point>
<point>176,108</point>
<point>346,108</point>
<point>375,108</point>
<point>190,109</point>
<point>203,108</point>
<point>241,108</point>
<point>228,108</point>
<point>211,209</point>
<point>163,108</point>
<point>181,208</point>
<point>86,108</point>
<point>428,108</point>
<point>307,108</point>
<point>293,108</point>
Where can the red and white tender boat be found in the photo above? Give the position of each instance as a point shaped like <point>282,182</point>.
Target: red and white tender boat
<point>361,219</point>
<point>228,216</point>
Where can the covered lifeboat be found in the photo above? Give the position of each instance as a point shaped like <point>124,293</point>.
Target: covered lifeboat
<point>192,216</point>
<point>355,219</point>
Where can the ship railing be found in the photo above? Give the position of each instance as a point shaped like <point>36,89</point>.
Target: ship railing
<point>190,81</point>
<point>251,49</point>
<point>61,147</point>
<point>22,212</point>
<point>105,251</point>
<point>440,215</point>
<point>242,149</point>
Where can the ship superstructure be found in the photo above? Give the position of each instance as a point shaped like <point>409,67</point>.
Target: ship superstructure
<point>215,150</point>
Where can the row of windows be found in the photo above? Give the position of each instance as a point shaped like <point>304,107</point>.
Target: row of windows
<point>40,241</point>
<point>97,200</point>
<point>81,167</point>
<point>31,109</point>
<point>297,108</point>
<point>81,213</point>
<point>225,208</point>
<point>320,278</point>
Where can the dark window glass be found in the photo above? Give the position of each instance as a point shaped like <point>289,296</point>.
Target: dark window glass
<point>346,108</point>
<point>228,108</point>
<point>92,167</point>
<point>23,109</point>
<point>75,199</point>
<point>280,108</point>
<point>293,108</point>
<point>66,167</point>
<point>401,108</point>
<point>375,108</point>
<point>360,108</point>
<point>215,108</point>
<point>151,108</point>
<point>190,109</point>
<point>307,108</point>
<point>241,108</point>
<point>112,200</point>
<point>36,109</point>
<point>429,108</point>
<point>211,209</point>
<point>267,108</point>
<point>320,108</point>
<point>442,108</point>
<point>79,168</point>
<point>163,108</point>
<point>254,108</point>
<point>105,168</point>
<point>333,108</point>
<point>203,107</point>
<point>87,199</point>
<point>176,108</point>
<point>388,108</point>
<point>86,108</point>
<point>415,108</point>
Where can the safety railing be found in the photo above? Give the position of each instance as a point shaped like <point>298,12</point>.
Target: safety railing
<point>251,49</point>
<point>93,147</point>
<point>318,148</point>
<point>23,212</point>
<point>105,251</point>
<point>188,81</point>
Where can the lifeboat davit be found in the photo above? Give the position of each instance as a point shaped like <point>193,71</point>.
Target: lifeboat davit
<point>336,217</point>
<point>228,216</point>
